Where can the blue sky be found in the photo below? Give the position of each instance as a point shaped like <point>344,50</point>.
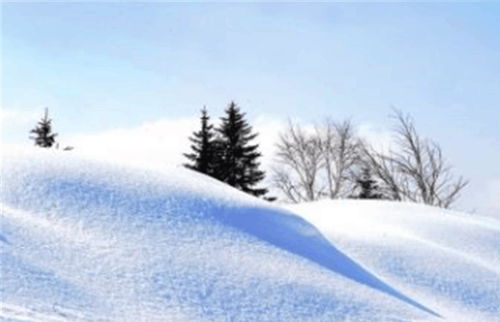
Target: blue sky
<point>100,67</point>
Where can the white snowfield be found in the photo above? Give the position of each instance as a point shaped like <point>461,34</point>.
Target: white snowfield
<point>83,240</point>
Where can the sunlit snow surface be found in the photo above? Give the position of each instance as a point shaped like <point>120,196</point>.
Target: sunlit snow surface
<point>83,240</point>
<point>447,260</point>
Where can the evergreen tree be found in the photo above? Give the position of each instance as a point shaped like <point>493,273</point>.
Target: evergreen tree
<point>237,159</point>
<point>368,186</point>
<point>43,132</point>
<point>203,147</point>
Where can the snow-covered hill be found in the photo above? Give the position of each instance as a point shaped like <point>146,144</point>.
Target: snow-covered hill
<point>83,240</point>
<point>447,260</point>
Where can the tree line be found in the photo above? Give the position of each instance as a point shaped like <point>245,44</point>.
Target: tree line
<point>332,161</point>
<point>329,161</point>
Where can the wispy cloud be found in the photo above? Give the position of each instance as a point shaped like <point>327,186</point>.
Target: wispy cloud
<point>163,142</point>
<point>154,144</point>
<point>16,117</point>
<point>15,125</point>
<point>493,197</point>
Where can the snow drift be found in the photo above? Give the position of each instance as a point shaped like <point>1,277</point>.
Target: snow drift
<point>448,260</point>
<point>83,240</point>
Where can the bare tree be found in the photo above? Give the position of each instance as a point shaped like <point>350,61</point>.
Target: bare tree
<point>339,148</point>
<point>416,170</point>
<point>299,161</point>
<point>394,185</point>
<point>317,164</point>
<point>326,163</point>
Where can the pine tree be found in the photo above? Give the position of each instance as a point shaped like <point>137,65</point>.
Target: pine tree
<point>368,186</point>
<point>237,159</point>
<point>203,147</point>
<point>43,132</point>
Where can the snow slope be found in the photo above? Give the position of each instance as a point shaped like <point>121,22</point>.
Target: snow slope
<point>82,240</point>
<point>448,260</point>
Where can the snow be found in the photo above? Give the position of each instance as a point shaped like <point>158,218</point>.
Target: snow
<point>446,259</point>
<point>86,240</point>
